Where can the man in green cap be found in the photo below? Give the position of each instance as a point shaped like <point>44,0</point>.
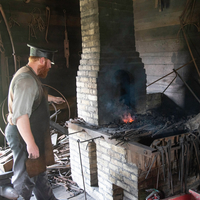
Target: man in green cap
<point>27,132</point>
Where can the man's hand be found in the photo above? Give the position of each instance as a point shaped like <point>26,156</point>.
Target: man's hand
<point>33,151</point>
<point>57,100</point>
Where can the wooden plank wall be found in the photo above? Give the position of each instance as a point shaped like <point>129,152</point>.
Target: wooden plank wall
<point>19,15</point>
<point>163,48</point>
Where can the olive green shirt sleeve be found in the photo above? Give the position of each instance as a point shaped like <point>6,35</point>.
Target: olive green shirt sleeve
<point>25,92</point>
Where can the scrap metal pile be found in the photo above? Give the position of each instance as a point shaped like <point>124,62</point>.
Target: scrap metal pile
<point>59,174</point>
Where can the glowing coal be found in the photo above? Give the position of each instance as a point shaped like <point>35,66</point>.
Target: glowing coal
<point>127,118</point>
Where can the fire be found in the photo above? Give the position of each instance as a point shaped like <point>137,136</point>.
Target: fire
<point>128,118</point>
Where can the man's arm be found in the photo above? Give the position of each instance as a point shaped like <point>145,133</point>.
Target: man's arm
<point>23,125</point>
<point>57,100</point>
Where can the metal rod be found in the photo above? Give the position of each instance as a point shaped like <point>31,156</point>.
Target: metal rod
<point>55,114</point>
<point>81,167</point>
<point>157,179</point>
<point>169,73</point>
<point>91,139</point>
<point>151,166</point>
<point>169,84</point>
<point>76,132</point>
<point>187,86</point>
<point>119,142</point>
<point>81,159</point>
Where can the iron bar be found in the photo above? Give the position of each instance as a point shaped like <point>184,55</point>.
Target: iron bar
<point>81,168</point>
<point>90,139</point>
<point>157,179</point>
<point>55,114</point>
<point>76,132</point>
<point>169,73</point>
<point>169,84</point>
<point>81,160</point>
<point>151,166</point>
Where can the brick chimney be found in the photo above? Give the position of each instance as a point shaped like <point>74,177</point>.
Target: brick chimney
<point>111,78</point>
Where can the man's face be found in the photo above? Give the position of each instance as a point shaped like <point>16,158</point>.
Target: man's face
<point>42,70</point>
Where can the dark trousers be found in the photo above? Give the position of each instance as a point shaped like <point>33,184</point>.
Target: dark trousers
<point>22,183</point>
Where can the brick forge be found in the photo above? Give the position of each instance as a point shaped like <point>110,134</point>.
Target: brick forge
<point>111,80</point>
<point>108,171</point>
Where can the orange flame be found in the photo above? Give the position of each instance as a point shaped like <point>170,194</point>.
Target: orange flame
<point>128,118</point>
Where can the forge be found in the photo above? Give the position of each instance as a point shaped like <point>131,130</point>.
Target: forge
<point>124,140</point>
<point>126,160</point>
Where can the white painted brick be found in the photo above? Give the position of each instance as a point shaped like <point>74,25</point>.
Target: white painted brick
<point>117,163</point>
<point>94,115</point>
<point>95,67</point>
<point>85,113</point>
<point>134,177</point>
<point>132,168</point>
<point>102,162</point>
<point>85,90</point>
<point>125,173</point>
<point>105,157</point>
<point>109,197</point>
<point>112,180</point>
<point>83,2</point>
<point>123,185</point>
<point>93,74</point>
<point>130,196</point>
<point>79,84</point>
<point>86,50</point>
<point>103,175</point>
<point>92,109</point>
<point>113,167</point>
<point>85,67</point>
<point>84,79</point>
<point>114,154</point>
<point>117,176</point>
<point>93,80</point>
<point>104,169</point>
<point>132,184</point>
<point>92,97</point>
<point>95,49</point>
<point>92,85</point>
<point>120,150</point>
<point>105,144</point>
<point>81,95</point>
<point>86,102</point>
<point>94,92</point>
<point>101,149</point>
<point>92,121</point>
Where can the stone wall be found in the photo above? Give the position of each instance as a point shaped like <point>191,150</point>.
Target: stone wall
<point>113,175</point>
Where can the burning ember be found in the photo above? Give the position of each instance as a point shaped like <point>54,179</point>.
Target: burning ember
<point>128,118</point>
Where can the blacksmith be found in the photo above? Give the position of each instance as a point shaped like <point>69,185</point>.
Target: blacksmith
<point>27,131</point>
